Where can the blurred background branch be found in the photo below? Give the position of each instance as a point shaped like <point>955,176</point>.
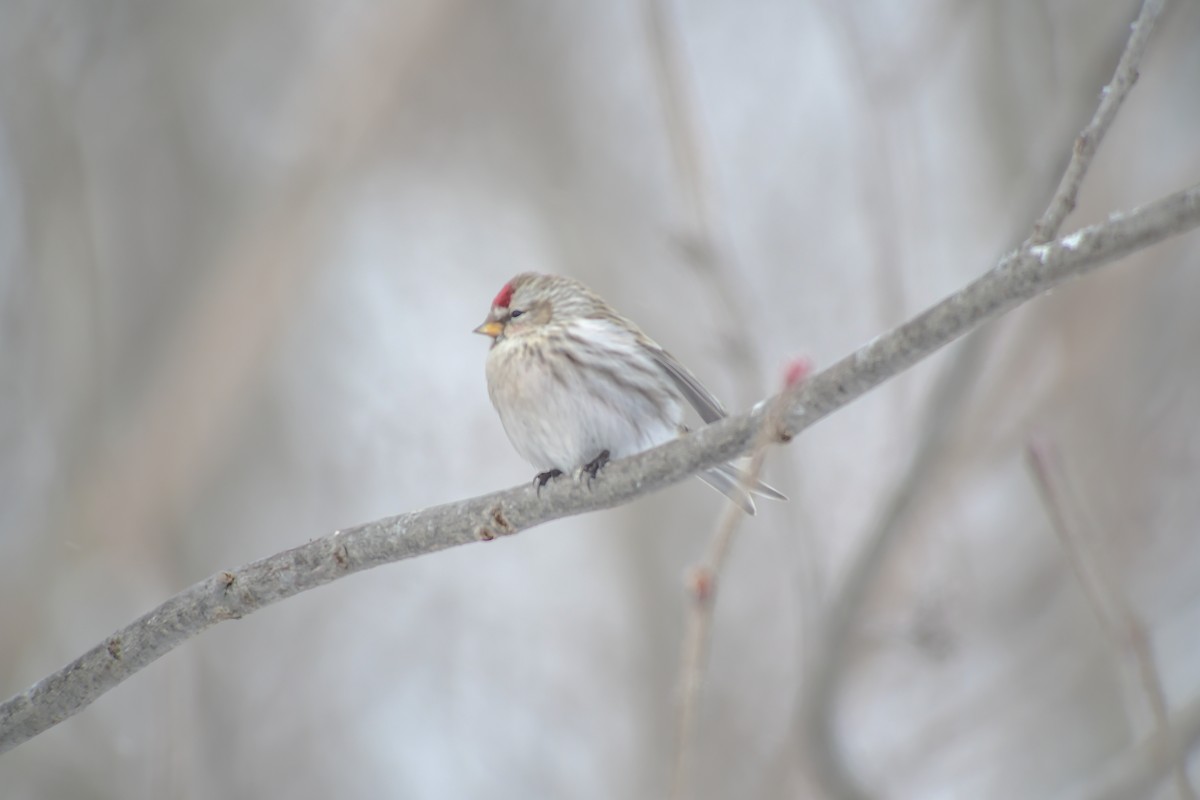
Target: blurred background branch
<point>1112,609</point>
<point>938,429</point>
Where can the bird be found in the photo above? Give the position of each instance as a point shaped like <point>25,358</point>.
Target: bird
<point>576,384</point>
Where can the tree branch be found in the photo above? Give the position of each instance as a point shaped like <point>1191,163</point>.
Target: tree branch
<point>1019,276</point>
<point>817,704</point>
<point>1111,97</point>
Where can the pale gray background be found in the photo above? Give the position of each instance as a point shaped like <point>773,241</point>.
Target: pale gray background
<point>242,247</point>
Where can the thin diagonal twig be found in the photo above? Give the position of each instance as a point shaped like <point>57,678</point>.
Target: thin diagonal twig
<point>713,257</point>
<point>1120,622</point>
<point>702,582</point>
<point>822,688</point>
<point>1086,144</point>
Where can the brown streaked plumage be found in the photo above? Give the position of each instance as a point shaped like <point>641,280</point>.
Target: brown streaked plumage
<point>575,383</point>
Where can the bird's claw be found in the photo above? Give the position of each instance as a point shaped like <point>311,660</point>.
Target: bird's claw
<point>592,468</point>
<point>542,478</point>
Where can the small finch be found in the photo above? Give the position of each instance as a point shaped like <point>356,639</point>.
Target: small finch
<point>576,384</point>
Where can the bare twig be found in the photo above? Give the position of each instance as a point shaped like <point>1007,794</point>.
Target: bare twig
<point>715,264</point>
<point>1111,97</point>
<point>1120,622</point>
<point>1019,276</point>
<point>832,771</point>
<point>702,580</point>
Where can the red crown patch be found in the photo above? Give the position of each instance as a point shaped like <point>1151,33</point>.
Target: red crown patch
<point>504,297</point>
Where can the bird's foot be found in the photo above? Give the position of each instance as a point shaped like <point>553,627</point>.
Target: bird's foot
<point>542,478</point>
<point>592,468</point>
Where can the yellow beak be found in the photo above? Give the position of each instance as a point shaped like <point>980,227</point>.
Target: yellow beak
<point>490,328</point>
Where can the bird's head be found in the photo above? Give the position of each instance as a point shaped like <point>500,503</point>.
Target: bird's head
<point>530,301</point>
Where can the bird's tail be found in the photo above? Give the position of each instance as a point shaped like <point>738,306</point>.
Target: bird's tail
<point>728,480</point>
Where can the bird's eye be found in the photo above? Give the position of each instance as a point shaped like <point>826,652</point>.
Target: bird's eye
<point>516,312</point>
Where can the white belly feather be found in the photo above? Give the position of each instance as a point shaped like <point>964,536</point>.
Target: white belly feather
<point>562,416</point>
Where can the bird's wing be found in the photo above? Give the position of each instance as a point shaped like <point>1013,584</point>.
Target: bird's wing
<point>707,406</point>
